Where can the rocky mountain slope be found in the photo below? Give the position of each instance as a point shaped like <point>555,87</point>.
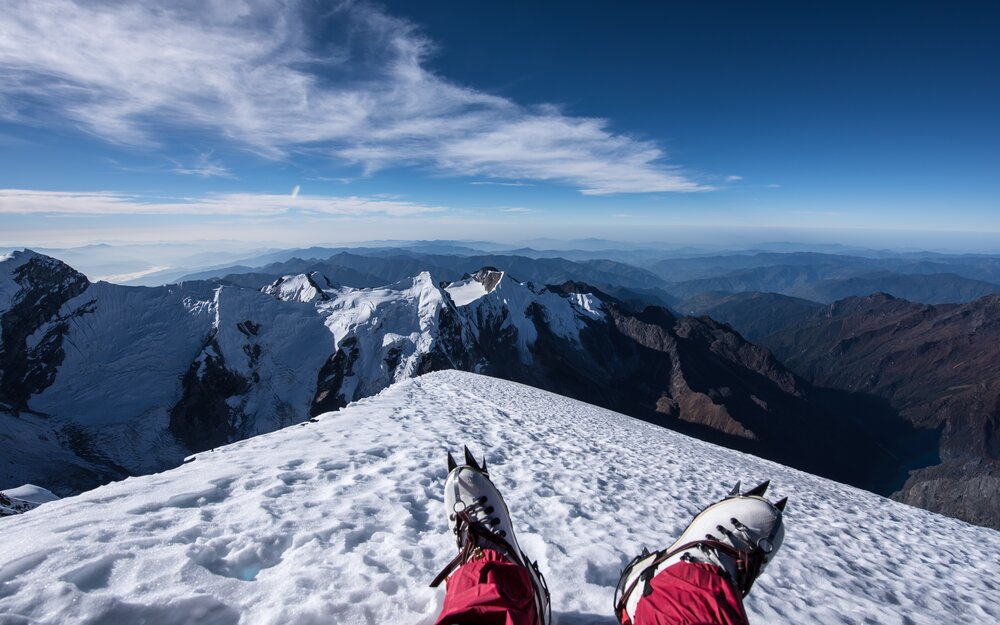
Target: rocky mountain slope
<point>343,521</point>
<point>938,365</point>
<point>753,314</point>
<point>105,380</point>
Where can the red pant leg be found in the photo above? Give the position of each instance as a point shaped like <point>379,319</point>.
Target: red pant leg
<point>690,594</point>
<point>489,591</point>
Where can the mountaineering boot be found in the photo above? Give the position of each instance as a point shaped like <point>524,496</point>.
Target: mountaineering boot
<point>736,537</point>
<point>479,519</point>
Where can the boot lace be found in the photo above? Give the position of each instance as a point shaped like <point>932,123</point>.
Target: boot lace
<point>480,512</point>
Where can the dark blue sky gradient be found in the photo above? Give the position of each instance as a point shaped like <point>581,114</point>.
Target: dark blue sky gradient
<point>864,90</point>
<point>868,116</point>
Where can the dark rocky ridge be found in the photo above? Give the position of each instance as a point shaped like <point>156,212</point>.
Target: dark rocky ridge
<point>939,366</point>
<point>700,377</point>
<point>201,418</point>
<point>45,285</point>
<point>754,314</point>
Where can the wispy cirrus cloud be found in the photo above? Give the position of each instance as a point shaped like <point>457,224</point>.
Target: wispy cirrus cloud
<point>343,80</point>
<point>203,167</point>
<point>23,201</point>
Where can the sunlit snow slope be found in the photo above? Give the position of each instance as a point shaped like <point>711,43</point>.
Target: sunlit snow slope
<point>342,521</point>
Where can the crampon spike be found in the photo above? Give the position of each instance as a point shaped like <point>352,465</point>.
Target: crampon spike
<point>736,489</point>
<point>471,460</point>
<point>781,504</point>
<point>452,465</point>
<point>758,490</point>
<point>485,471</point>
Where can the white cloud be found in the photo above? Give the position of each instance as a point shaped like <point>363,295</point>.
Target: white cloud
<point>205,167</point>
<point>255,73</point>
<point>734,178</point>
<point>518,209</point>
<point>22,201</point>
<point>332,179</point>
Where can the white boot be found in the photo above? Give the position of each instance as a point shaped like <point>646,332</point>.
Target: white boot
<point>479,519</point>
<point>739,534</point>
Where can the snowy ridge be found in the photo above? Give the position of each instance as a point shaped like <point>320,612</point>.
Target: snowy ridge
<point>464,292</point>
<point>342,521</point>
<point>299,288</point>
<point>276,348</point>
<point>23,498</point>
<point>511,308</point>
<point>134,378</point>
<point>388,331</point>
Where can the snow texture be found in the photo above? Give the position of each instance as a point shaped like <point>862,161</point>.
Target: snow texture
<point>466,291</point>
<point>397,322</point>
<point>125,360</point>
<point>342,521</point>
<point>279,344</point>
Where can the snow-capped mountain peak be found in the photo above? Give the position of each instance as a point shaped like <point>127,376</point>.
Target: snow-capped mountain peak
<point>511,311</point>
<point>474,286</point>
<point>304,288</point>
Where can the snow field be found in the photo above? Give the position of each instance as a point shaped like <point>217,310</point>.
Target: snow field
<point>465,292</point>
<point>342,521</point>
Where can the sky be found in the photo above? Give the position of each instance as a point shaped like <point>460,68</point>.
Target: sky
<point>318,122</point>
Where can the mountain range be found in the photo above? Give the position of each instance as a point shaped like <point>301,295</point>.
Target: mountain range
<point>939,366</point>
<point>123,380</point>
<point>108,380</point>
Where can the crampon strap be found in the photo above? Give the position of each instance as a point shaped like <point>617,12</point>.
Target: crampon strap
<point>469,528</point>
<point>747,566</point>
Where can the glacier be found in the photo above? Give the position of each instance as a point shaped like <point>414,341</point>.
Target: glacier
<point>341,520</point>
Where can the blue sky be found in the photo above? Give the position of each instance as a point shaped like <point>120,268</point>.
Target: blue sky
<point>636,121</point>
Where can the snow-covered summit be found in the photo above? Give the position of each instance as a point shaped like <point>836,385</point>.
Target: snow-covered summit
<point>299,288</point>
<point>474,286</point>
<point>342,521</point>
<point>388,334</point>
<point>497,305</point>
